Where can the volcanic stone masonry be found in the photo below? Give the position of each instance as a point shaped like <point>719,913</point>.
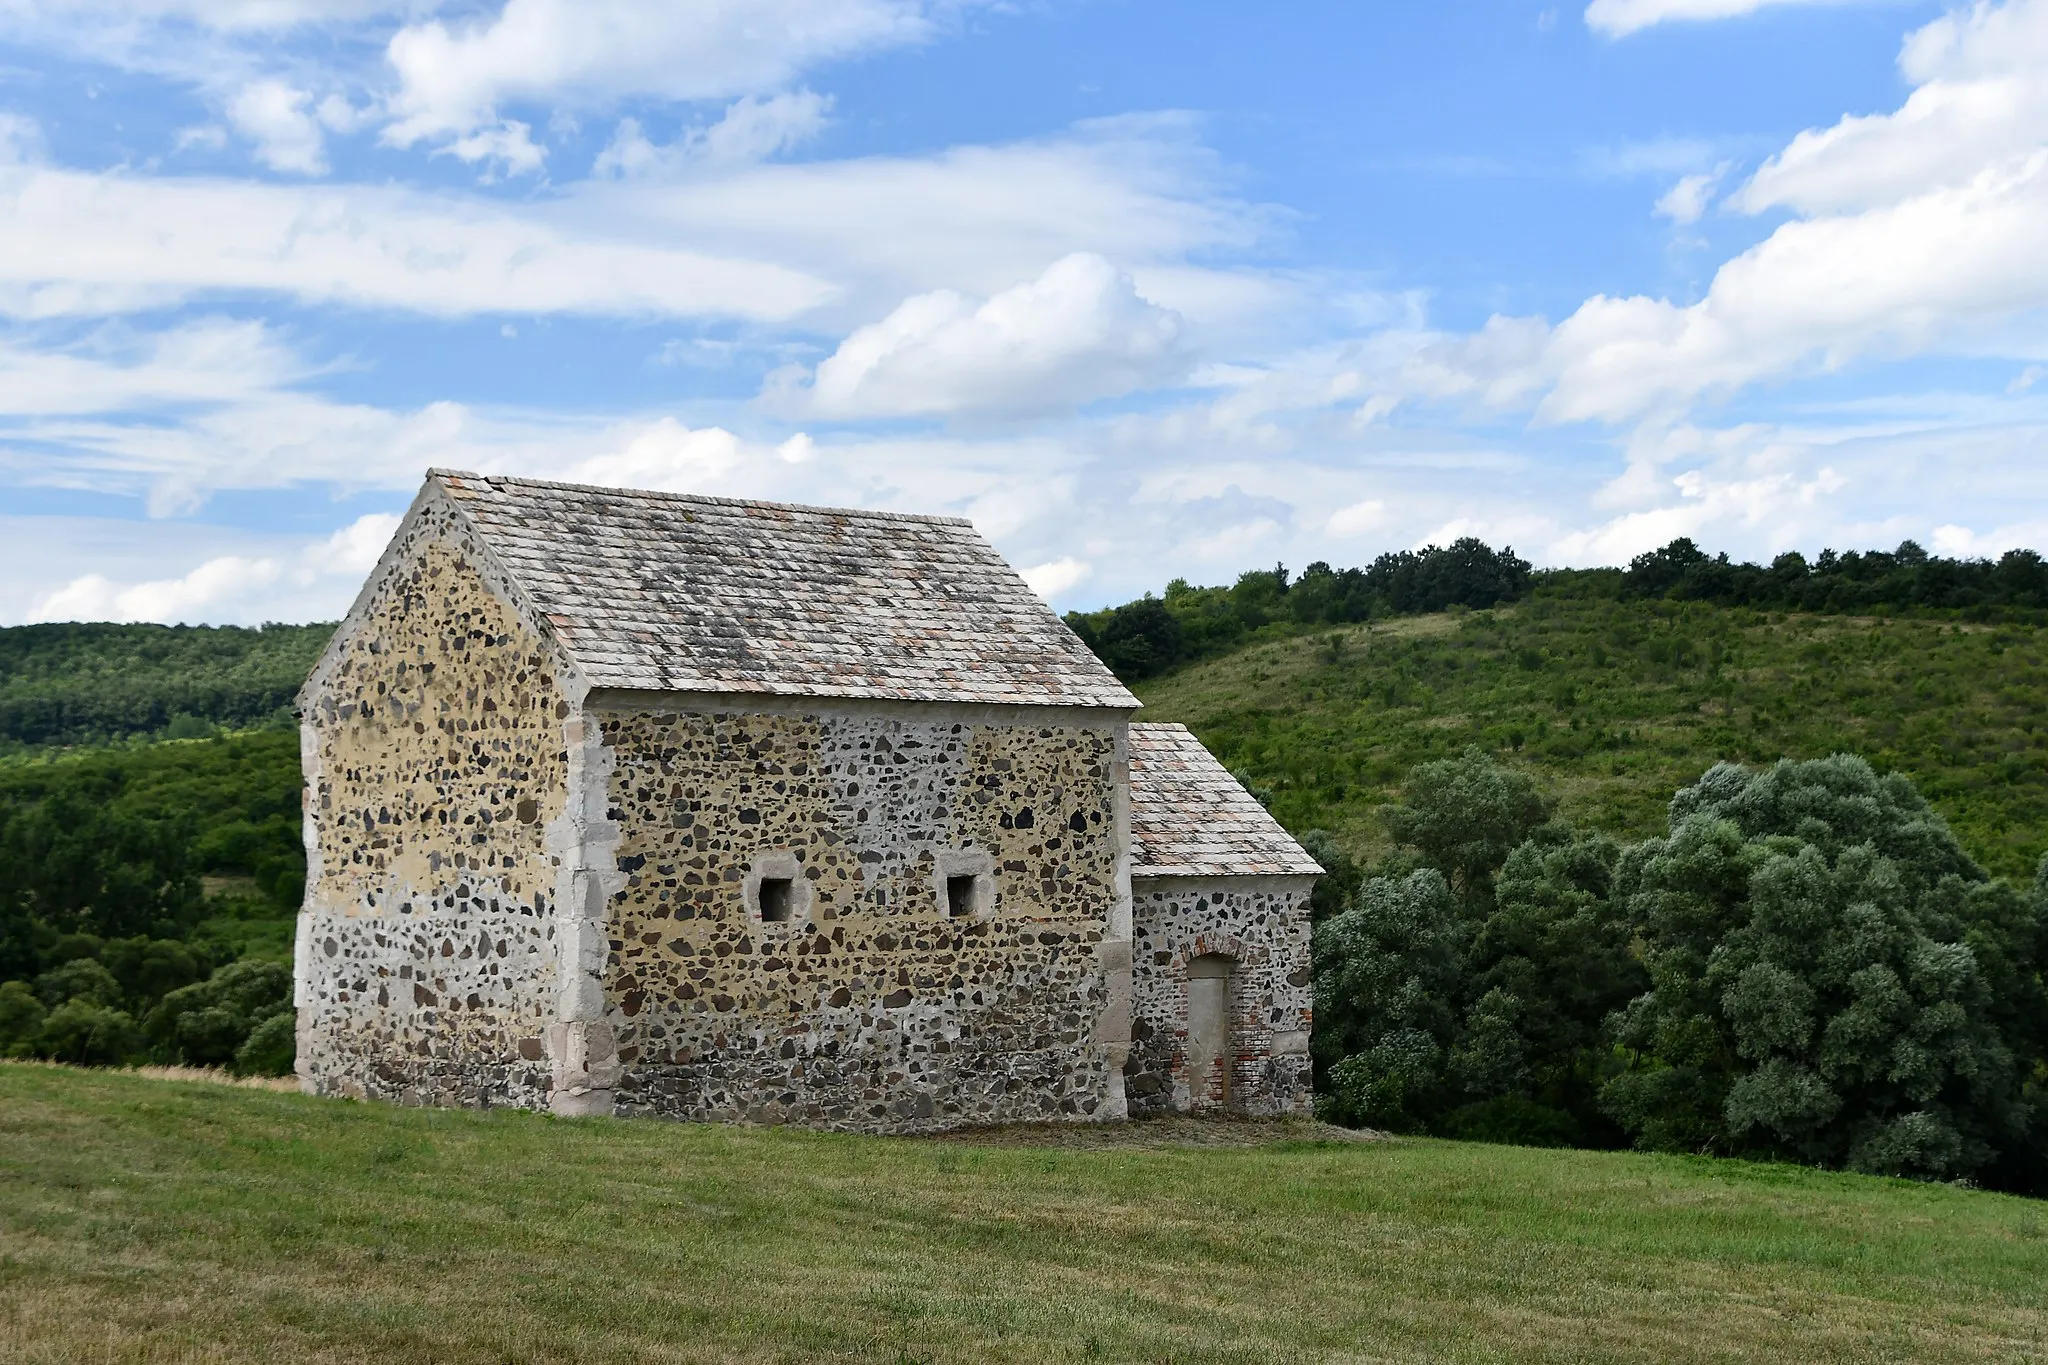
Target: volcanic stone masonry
<point>638,803</point>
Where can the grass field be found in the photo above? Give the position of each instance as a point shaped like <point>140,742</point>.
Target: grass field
<point>152,1220</point>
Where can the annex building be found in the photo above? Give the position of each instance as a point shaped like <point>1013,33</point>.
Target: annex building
<point>639,803</point>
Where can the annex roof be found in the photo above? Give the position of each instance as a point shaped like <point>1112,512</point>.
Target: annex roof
<point>674,592</point>
<point>1191,818</point>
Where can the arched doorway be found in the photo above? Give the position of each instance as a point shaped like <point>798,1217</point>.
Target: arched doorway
<point>1209,1052</point>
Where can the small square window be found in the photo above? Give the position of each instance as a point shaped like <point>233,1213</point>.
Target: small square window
<point>777,895</point>
<point>960,895</point>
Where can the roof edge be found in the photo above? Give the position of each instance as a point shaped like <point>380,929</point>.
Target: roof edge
<point>456,476</point>
<point>434,489</point>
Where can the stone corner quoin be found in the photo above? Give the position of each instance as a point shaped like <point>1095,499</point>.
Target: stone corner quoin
<point>623,803</point>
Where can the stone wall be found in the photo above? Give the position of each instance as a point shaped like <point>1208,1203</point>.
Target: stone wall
<point>872,1006</point>
<point>427,950</point>
<point>1261,923</point>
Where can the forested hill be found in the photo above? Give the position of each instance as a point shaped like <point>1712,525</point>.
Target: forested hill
<point>63,685</point>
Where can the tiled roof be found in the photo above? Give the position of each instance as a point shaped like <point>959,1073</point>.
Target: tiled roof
<point>1191,818</point>
<point>668,592</point>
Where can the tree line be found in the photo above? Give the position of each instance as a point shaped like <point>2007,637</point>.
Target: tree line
<point>1806,966</point>
<point>1145,638</point>
<point>1908,577</point>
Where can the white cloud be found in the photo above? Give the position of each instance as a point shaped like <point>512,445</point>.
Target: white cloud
<point>115,369</point>
<point>1910,251</point>
<point>1054,577</point>
<point>84,243</point>
<point>1920,231</point>
<point>834,243</point>
<point>1980,103</point>
<point>1685,201</point>
<point>230,588</point>
<point>453,78</point>
<point>277,118</point>
<point>751,129</point>
<point>1961,542</point>
<point>226,15</point>
<point>1140,191</point>
<point>1358,518</point>
<point>1619,18</point>
<point>509,143</point>
<point>1079,332</point>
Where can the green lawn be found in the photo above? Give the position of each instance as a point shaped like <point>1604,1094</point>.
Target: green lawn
<point>165,1221</point>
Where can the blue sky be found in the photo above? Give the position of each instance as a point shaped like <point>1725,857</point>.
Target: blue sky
<point>1147,290</point>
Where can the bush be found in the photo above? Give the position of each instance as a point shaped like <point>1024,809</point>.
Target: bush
<point>271,1048</point>
<point>1806,967</point>
<point>85,1034</point>
<point>211,1022</point>
<point>21,1019</point>
<point>81,979</point>
<point>1464,816</point>
<point>1387,977</point>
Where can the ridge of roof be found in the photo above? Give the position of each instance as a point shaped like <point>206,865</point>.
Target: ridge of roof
<point>661,495</point>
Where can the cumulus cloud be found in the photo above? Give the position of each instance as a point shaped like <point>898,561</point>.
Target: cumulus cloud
<point>1358,518</point>
<point>279,120</point>
<point>453,78</point>
<point>1923,230</point>
<point>1980,103</point>
<point>1619,18</point>
<point>1055,577</point>
<point>1914,231</point>
<point>1077,333</point>
<point>229,588</point>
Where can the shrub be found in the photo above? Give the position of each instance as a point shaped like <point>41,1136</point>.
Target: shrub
<point>271,1048</point>
<point>86,1034</point>
<point>210,1022</point>
<point>21,1019</point>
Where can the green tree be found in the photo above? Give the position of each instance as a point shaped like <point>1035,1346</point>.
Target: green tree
<point>21,1019</point>
<point>211,1022</point>
<point>1387,978</point>
<point>1546,968</point>
<point>1464,816</point>
<point>1823,958</point>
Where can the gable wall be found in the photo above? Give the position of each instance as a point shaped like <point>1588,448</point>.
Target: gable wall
<point>1261,923</point>
<point>876,1010</point>
<point>435,763</point>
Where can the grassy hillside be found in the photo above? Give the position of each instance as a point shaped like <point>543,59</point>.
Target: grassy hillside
<point>144,1219</point>
<point>1615,704</point>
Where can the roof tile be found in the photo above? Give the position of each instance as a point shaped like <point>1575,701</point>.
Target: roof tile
<point>674,592</point>
<point>1191,818</point>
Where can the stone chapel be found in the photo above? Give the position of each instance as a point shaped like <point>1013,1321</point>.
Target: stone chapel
<point>623,802</point>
